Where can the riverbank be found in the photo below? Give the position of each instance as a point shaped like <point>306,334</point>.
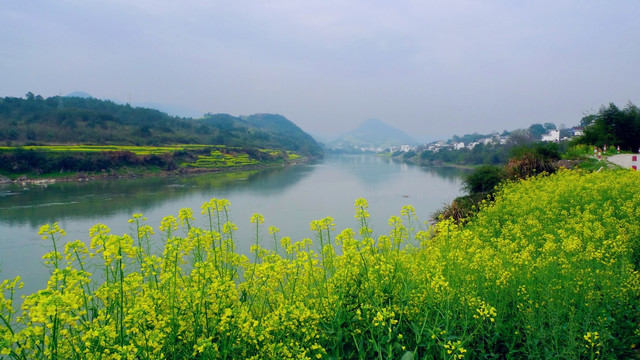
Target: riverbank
<point>139,172</point>
<point>53,163</point>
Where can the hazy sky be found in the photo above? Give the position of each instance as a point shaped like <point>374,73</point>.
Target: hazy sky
<point>430,68</point>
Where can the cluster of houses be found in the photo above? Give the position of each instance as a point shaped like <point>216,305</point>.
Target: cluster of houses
<point>492,139</point>
<point>554,135</point>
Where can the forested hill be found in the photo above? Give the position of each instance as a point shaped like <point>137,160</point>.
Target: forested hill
<point>265,130</point>
<point>35,120</point>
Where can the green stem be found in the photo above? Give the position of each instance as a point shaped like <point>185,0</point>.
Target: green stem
<point>121,300</point>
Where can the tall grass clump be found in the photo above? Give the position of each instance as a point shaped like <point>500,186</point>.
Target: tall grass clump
<point>549,269</point>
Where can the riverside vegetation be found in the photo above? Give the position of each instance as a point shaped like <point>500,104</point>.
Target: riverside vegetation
<point>62,160</point>
<point>548,269</point>
<point>609,126</point>
<point>61,136</point>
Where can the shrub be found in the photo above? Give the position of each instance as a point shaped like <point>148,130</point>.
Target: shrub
<point>578,151</point>
<point>460,209</point>
<point>484,179</point>
<point>529,164</point>
<point>543,150</point>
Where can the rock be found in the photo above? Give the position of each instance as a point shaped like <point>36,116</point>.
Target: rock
<point>5,180</point>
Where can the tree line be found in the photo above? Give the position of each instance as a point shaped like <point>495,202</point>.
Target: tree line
<point>614,127</point>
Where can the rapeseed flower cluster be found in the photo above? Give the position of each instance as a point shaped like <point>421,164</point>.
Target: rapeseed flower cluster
<point>549,268</point>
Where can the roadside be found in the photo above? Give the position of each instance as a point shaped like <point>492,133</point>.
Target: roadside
<point>625,161</point>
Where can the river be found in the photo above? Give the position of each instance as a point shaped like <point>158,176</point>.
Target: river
<point>288,198</point>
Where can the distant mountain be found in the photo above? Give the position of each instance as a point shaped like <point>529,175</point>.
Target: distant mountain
<point>85,120</point>
<point>372,134</point>
<point>80,94</point>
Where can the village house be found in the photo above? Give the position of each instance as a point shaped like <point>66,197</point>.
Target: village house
<point>553,135</point>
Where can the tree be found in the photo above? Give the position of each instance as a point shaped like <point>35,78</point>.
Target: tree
<point>587,120</point>
<point>536,131</point>
<point>144,131</point>
<point>519,137</point>
<point>483,179</point>
<point>612,126</point>
<point>549,126</point>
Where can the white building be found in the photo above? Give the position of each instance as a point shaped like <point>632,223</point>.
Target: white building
<point>553,135</point>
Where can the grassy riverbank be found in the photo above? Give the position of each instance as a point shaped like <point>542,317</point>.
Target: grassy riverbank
<point>82,162</point>
<point>548,270</point>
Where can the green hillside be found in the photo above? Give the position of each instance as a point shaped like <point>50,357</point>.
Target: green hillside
<point>264,130</point>
<point>35,120</point>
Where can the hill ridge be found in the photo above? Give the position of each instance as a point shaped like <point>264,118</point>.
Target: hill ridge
<point>86,120</point>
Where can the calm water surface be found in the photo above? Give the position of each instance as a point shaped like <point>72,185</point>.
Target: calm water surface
<point>288,198</point>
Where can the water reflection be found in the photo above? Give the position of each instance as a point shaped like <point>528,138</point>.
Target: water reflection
<point>451,174</point>
<point>37,205</point>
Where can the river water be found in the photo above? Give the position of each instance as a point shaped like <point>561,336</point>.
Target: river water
<point>288,198</point>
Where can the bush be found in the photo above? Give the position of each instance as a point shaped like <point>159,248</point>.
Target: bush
<point>483,179</point>
<point>529,164</point>
<point>543,150</point>
<point>578,151</point>
<point>409,154</point>
<point>460,209</point>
